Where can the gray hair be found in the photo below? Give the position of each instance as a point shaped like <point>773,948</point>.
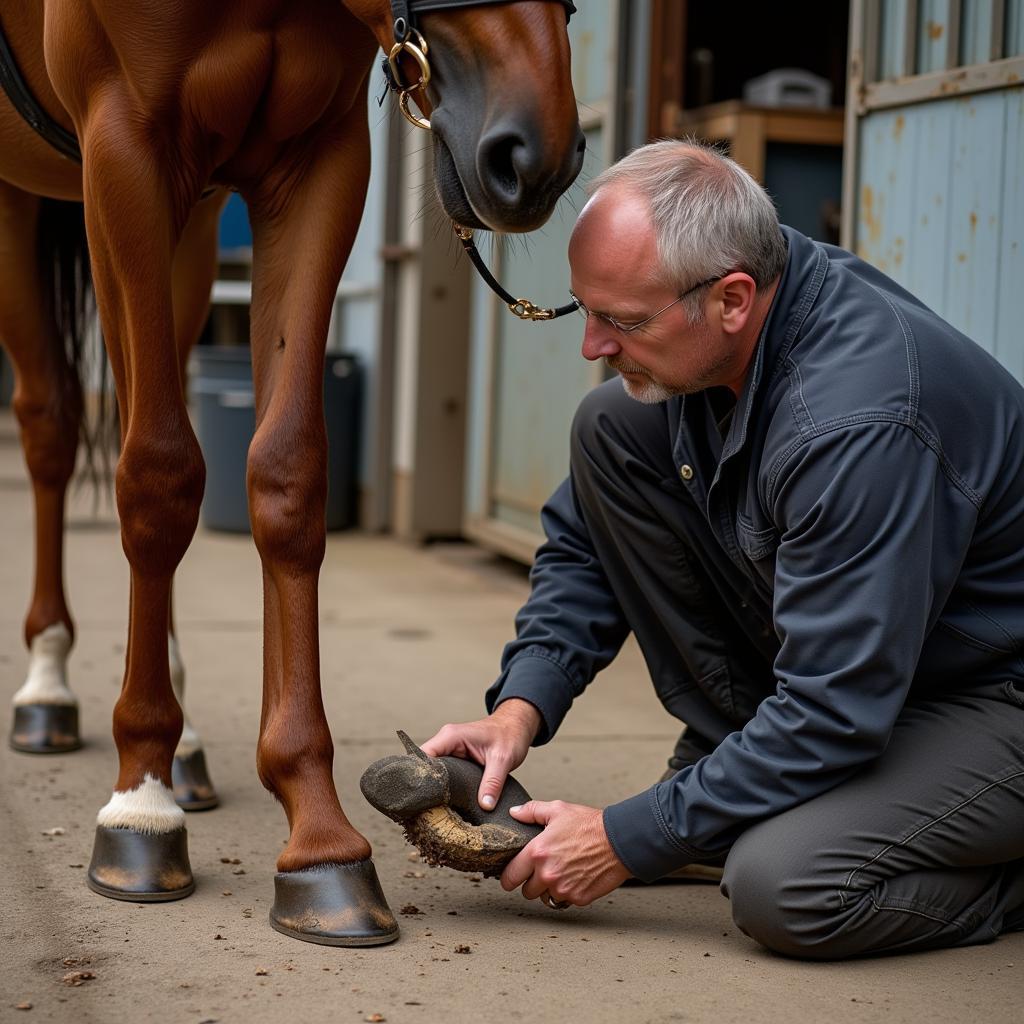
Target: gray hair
<point>710,216</point>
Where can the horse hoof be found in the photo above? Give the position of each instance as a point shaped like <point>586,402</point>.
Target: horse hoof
<point>140,867</point>
<point>193,790</point>
<point>434,800</point>
<point>333,905</point>
<point>45,728</point>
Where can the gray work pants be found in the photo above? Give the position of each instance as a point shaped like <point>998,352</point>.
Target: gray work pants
<point>922,849</point>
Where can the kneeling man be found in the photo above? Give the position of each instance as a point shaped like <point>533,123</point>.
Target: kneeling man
<point>805,496</point>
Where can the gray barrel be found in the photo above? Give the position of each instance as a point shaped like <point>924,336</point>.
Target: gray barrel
<point>222,396</point>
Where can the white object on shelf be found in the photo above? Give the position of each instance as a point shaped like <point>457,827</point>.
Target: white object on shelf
<point>788,87</point>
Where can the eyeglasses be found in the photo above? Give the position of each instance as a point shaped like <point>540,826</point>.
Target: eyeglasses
<point>628,329</point>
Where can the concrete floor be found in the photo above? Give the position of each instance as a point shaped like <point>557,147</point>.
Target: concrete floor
<point>410,639</point>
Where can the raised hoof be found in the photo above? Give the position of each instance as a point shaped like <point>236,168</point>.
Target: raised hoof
<point>435,800</point>
<point>193,790</point>
<point>140,867</point>
<point>333,905</point>
<point>45,728</point>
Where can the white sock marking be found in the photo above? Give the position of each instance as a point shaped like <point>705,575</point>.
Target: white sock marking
<point>47,669</point>
<point>149,807</point>
<point>190,741</point>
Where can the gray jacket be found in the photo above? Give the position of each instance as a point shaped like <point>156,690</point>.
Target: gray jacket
<point>871,490</point>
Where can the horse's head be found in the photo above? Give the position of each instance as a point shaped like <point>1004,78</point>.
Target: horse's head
<point>507,141</point>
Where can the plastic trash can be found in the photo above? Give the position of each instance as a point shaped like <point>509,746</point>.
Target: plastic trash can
<point>222,395</point>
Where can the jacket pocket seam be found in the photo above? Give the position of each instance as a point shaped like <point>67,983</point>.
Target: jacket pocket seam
<point>973,641</point>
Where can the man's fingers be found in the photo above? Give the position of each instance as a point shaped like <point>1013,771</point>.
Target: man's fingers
<point>518,870</point>
<point>495,774</point>
<point>536,812</point>
<point>443,742</point>
<point>490,790</point>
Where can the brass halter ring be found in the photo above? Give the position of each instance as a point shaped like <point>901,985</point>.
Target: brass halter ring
<point>526,310</point>
<point>418,51</point>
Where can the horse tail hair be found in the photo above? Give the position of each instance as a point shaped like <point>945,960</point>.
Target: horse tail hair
<point>66,274</point>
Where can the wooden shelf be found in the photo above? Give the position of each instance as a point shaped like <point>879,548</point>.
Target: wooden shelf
<point>748,129</point>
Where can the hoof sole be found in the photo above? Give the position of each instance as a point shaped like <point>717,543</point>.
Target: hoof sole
<point>435,801</point>
<point>193,790</point>
<point>45,729</point>
<point>333,905</point>
<point>140,867</point>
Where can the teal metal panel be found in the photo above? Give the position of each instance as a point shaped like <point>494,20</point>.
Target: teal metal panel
<point>528,378</point>
<point>1014,29</point>
<point>887,187</point>
<point>976,31</point>
<point>540,373</point>
<point>940,208</point>
<point>591,36</point>
<point>932,28</point>
<point>975,195</point>
<point>931,135</point>
<point>478,413</point>
<point>1009,331</point>
<point>892,38</point>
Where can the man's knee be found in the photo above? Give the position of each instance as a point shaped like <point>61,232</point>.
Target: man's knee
<point>778,893</point>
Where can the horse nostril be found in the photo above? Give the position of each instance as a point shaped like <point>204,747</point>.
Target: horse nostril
<point>501,163</point>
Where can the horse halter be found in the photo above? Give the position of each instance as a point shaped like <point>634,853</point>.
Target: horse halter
<point>408,39</point>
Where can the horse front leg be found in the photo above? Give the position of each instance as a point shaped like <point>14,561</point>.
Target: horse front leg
<point>48,406</point>
<point>326,889</point>
<point>134,216</point>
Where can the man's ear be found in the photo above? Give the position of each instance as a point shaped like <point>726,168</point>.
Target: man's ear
<point>736,295</point>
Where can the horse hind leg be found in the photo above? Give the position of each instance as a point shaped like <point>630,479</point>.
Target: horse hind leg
<point>190,778</point>
<point>194,270</point>
<point>48,407</point>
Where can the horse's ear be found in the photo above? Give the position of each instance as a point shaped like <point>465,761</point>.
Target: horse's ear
<point>410,747</point>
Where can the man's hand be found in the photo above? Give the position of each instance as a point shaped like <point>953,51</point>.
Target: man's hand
<point>571,859</point>
<point>499,742</point>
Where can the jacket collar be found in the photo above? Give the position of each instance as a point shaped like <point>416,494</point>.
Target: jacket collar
<point>801,281</point>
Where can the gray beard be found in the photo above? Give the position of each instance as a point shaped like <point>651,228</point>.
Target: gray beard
<point>649,392</point>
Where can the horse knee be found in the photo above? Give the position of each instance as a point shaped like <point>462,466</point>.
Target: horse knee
<point>49,437</point>
<point>287,485</point>
<point>291,748</point>
<point>160,479</point>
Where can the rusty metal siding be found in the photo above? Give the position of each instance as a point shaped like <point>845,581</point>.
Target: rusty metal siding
<point>528,378</point>
<point>941,210</point>
<point>1014,30</point>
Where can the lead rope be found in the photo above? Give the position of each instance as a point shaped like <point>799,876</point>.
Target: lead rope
<point>409,40</point>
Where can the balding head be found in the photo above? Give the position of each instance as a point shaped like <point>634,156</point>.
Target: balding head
<point>699,212</point>
<point>615,230</point>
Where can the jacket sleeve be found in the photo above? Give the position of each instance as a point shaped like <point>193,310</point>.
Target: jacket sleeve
<point>872,535</point>
<point>570,628</point>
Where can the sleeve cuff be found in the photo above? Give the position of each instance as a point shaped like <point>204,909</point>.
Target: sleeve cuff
<point>641,839</point>
<point>536,678</point>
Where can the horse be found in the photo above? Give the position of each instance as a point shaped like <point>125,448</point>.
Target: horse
<point>170,106</point>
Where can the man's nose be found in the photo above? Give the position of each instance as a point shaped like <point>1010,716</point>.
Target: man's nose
<point>599,341</point>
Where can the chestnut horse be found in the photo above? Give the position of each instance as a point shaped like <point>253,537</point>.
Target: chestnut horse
<point>170,106</point>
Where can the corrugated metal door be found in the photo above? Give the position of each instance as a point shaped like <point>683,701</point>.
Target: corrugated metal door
<point>934,172</point>
<point>528,378</point>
